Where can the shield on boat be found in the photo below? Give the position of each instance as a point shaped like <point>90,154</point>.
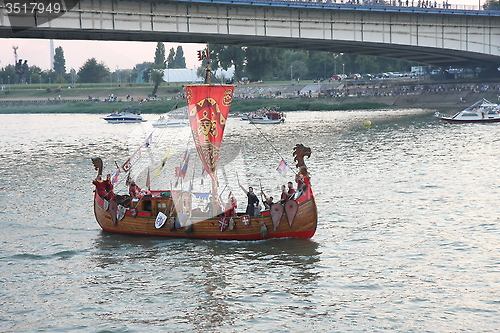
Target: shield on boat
<point>160,220</point>
<point>223,223</point>
<point>133,212</point>
<point>245,219</point>
<point>120,213</point>
<point>113,209</point>
<point>277,211</point>
<point>291,207</point>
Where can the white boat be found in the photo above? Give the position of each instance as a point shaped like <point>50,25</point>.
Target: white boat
<point>176,118</point>
<point>483,111</point>
<point>128,115</point>
<point>163,122</point>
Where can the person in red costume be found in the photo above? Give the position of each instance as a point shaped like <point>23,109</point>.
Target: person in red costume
<point>100,187</point>
<point>291,190</point>
<point>109,187</point>
<point>284,194</point>
<point>231,206</point>
<point>134,190</point>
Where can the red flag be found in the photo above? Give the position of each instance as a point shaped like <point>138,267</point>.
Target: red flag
<point>208,107</point>
<point>203,54</point>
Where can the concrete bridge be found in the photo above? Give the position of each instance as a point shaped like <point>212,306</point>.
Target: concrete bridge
<point>434,36</point>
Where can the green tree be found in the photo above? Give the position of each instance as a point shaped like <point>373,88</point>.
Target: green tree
<point>263,62</point>
<point>142,66</point>
<point>180,61</point>
<point>319,64</point>
<point>49,76</point>
<point>35,75</point>
<point>171,58</point>
<point>8,75</point>
<point>158,67</point>
<point>230,56</point>
<point>157,78</point>
<point>298,69</point>
<point>160,55</point>
<point>492,3</point>
<point>93,72</point>
<point>59,61</point>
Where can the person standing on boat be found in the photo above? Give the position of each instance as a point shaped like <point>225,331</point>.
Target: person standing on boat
<point>291,190</point>
<point>268,202</point>
<point>109,188</point>
<point>100,187</point>
<point>134,190</point>
<point>284,194</point>
<point>231,206</point>
<point>253,201</point>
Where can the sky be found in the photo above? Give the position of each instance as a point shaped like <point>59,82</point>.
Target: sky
<point>114,54</point>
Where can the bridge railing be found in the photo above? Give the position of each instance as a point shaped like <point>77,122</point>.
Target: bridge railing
<point>396,4</point>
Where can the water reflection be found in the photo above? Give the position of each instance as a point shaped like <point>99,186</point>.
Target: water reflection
<point>204,282</point>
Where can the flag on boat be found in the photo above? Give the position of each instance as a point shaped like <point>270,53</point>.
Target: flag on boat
<point>178,173</point>
<point>203,54</point>
<point>283,168</point>
<point>132,160</point>
<point>148,140</point>
<point>208,108</point>
<point>114,178</point>
<point>184,167</point>
<point>165,158</point>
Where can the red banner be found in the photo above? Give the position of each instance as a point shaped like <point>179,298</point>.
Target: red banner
<point>208,107</point>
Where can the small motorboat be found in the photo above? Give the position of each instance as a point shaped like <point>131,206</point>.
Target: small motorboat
<point>176,118</point>
<point>483,111</point>
<point>163,122</point>
<point>268,115</point>
<point>128,115</point>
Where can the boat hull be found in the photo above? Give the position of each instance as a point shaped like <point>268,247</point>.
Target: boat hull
<point>124,120</point>
<point>451,120</point>
<point>266,121</point>
<point>171,124</point>
<point>303,226</point>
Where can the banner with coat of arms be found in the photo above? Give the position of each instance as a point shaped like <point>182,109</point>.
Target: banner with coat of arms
<point>208,108</point>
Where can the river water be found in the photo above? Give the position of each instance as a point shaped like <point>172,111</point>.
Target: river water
<point>408,237</point>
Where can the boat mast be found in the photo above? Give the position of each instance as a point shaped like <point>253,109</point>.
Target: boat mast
<point>207,68</point>
<point>215,194</point>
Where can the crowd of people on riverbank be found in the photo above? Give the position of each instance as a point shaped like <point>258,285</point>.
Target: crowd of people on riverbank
<point>426,4</point>
<point>368,90</point>
<point>398,90</point>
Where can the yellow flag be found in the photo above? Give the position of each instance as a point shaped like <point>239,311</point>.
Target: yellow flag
<point>157,172</point>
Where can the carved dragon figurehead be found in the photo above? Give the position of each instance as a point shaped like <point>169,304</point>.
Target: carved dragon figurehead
<point>299,151</point>
<point>97,165</point>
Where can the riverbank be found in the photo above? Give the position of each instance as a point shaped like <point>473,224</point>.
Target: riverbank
<point>345,95</point>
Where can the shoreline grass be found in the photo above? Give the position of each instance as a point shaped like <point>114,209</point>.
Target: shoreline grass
<point>164,106</point>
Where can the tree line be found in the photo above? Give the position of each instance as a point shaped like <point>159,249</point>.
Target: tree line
<point>92,71</point>
<point>253,63</point>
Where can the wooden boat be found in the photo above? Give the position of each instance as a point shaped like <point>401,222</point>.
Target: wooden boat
<point>169,212</point>
<point>483,111</point>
